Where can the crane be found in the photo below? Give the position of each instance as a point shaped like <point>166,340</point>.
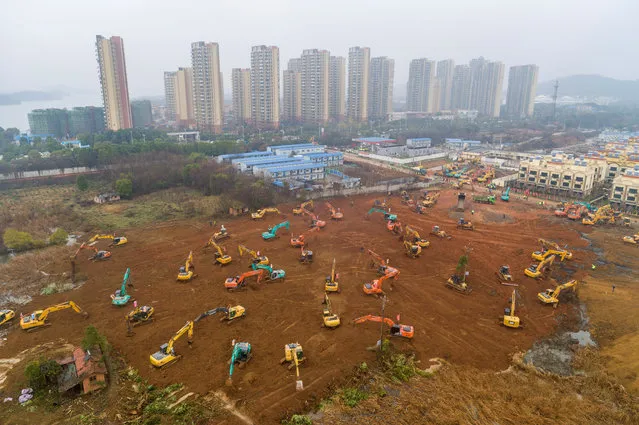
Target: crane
<point>331,320</point>
<point>549,248</point>
<point>405,331</point>
<point>166,354</point>
<point>255,257</point>
<point>39,317</point>
<point>97,256</point>
<point>415,238</point>
<point>300,241</point>
<point>220,257</point>
<point>299,210</point>
<point>241,354</point>
<point>272,231</point>
<point>315,221</point>
<point>375,287</point>
<point>331,283</point>
<point>551,296</point>
<point>510,320</point>
<point>6,315</point>
<point>260,213</point>
<point>382,266</point>
<point>115,240</point>
<point>294,354</point>
<point>229,313</point>
<point>536,270</point>
<point>387,216</point>
<point>186,273</point>
<point>238,282</point>
<point>120,297</point>
<point>336,214</point>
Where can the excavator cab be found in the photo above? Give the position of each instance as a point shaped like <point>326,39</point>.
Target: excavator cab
<point>504,273</point>
<point>291,352</point>
<point>306,256</point>
<point>6,315</point>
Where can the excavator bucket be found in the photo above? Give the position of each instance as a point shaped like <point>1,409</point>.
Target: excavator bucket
<point>299,385</point>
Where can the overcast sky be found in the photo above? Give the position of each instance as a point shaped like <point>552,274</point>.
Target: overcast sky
<point>47,43</point>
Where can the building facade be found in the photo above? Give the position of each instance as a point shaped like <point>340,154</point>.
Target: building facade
<point>445,71</point>
<point>49,122</point>
<point>241,79</point>
<point>170,99</point>
<point>487,83</point>
<point>419,90</point>
<point>315,72</point>
<point>522,87</point>
<point>86,119</point>
<point>625,188</point>
<point>141,113</point>
<point>113,82</point>
<point>462,86</point>
<point>265,86</point>
<point>208,97</point>
<point>358,74</point>
<point>337,88</point>
<point>380,88</point>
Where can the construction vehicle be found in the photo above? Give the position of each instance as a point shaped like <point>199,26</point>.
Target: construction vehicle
<point>306,256</point>
<point>300,241</point>
<point>382,266</point>
<point>604,214</point>
<point>549,248</point>
<point>6,315</point>
<point>491,186</point>
<point>465,225</point>
<point>97,255</point>
<point>331,283</point>
<point>505,196</point>
<point>633,240</point>
<point>115,240</point>
<point>229,313</point>
<point>259,214</point>
<point>256,258</point>
<point>440,233</point>
<point>331,320</point>
<point>490,199</point>
<point>551,296</point>
<point>504,274</point>
<point>299,210</point>
<point>221,257</point>
<point>315,221</point>
<point>238,282</point>
<point>412,250</point>
<point>381,204</point>
<point>395,227</point>
<point>404,331</point>
<point>537,270</point>
<point>272,231</point>
<point>140,315</point>
<point>509,319</point>
<point>457,281</point>
<point>577,213</point>
<point>121,297</point>
<point>430,200</point>
<point>625,221</point>
<point>294,354</point>
<point>412,235</point>
<point>222,234</point>
<point>166,355</point>
<point>241,355</point>
<point>270,273</point>
<point>387,216</point>
<point>375,287</point>
<point>563,209</point>
<point>336,214</point>
<point>186,271</point>
<point>39,317</point>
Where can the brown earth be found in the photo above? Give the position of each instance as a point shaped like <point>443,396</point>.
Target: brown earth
<point>463,329</point>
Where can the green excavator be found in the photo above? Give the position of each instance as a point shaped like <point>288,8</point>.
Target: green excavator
<point>272,231</point>
<point>120,297</point>
<point>241,355</point>
<point>387,216</point>
<point>271,274</point>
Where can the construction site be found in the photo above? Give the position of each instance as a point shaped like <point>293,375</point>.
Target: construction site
<point>318,276</point>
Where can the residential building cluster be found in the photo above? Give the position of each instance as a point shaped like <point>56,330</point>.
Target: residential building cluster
<point>65,123</point>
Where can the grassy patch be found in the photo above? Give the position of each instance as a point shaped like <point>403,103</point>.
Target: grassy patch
<point>401,367</point>
<point>298,420</point>
<point>352,396</point>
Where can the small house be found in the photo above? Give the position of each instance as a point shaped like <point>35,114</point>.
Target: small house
<point>84,371</point>
<point>106,197</point>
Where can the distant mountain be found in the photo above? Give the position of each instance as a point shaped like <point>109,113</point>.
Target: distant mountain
<point>17,98</point>
<point>592,86</point>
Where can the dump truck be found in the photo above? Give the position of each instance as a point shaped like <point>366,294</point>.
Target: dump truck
<point>484,199</point>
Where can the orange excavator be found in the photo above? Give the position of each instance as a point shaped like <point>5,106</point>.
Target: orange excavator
<point>238,282</point>
<point>300,241</point>
<point>395,227</point>
<point>97,256</point>
<point>315,221</point>
<point>335,214</point>
<point>404,331</point>
<point>382,266</point>
<point>375,287</point>
<point>577,212</point>
<point>563,211</point>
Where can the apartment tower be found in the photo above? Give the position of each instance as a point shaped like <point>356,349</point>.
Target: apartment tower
<point>487,83</point>
<point>358,74</point>
<point>419,90</point>
<point>337,88</point>
<point>113,81</point>
<point>445,71</point>
<point>462,86</point>
<point>522,87</point>
<point>208,97</point>
<point>178,93</point>
<point>241,82</point>
<point>380,88</point>
<point>265,86</point>
<point>292,91</point>
<point>315,75</point>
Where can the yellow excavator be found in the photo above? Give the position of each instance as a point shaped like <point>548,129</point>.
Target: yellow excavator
<point>166,354</point>
<point>436,231</point>
<point>414,237</point>
<point>115,240</point>
<point>260,213</point>
<point>186,271</point>
<point>6,315</point>
<point>294,355</point>
<point>220,257</point>
<point>331,320</point>
<point>331,284</point>
<point>412,250</point>
<point>430,200</point>
<point>551,296</point>
<point>603,214</point>
<point>255,257</point>
<point>537,270</point>
<point>509,319</point>
<point>633,240</point>
<point>219,235</point>
<point>549,248</point>
<point>39,317</point>
<point>299,210</point>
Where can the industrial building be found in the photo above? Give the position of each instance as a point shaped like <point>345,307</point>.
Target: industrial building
<point>461,144</point>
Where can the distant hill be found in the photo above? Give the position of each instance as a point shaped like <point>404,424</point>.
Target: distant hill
<point>593,86</point>
<point>17,98</point>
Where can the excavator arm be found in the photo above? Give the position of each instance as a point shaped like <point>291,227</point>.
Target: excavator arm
<point>211,313</point>
<point>186,329</point>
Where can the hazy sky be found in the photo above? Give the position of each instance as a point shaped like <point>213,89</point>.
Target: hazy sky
<point>46,43</point>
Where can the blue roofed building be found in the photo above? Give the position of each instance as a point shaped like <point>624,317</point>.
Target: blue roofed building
<point>296,149</point>
<point>330,159</point>
<point>303,171</point>
<point>247,165</point>
<point>231,156</point>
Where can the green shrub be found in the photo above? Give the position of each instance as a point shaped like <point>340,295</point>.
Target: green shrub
<point>124,187</point>
<point>92,338</point>
<point>402,368</point>
<point>19,241</point>
<point>352,396</point>
<point>42,373</point>
<point>59,237</point>
<point>82,183</point>
<point>298,420</point>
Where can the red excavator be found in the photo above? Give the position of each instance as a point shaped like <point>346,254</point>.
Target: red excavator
<point>97,256</point>
<point>300,241</point>
<point>315,221</point>
<point>405,331</point>
<point>382,267</point>
<point>238,282</point>
<point>336,214</point>
<point>395,227</point>
<point>375,287</point>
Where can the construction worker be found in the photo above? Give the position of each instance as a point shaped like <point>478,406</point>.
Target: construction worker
<point>223,229</point>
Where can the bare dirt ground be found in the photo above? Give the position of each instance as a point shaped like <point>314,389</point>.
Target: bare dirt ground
<point>462,329</point>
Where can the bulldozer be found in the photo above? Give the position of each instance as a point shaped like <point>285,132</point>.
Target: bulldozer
<point>259,214</point>
<point>115,240</point>
<point>256,258</point>
<point>404,331</point>
<point>6,315</point>
<point>510,320</point>
<point>272,231</point>
<point>331,320</point>
<point>336,214</point>
<point>294,355</point>
<point>221,257</point>
<point>38,318</point>
<point>412,235</point>
<point>430,200</point>
<point>440,233</point>
<point>465,225</point>
<point>551,296</point>
<point>242,353</point>
<point>412,250</point>
<point>457,281</point>
<point>299,210</point>
<point>121,297</point>
<point>185,273</point>
<point>238,282</point>
<point>166,355</point>
<point>504,274</point>
<point>140,315</point>
<point>537,270</point>
<point>219,235</point>
<point>97,254</point>
<point>331,283</point>
<point>300,241</point>
<point>633,240</point>
<point>228,313</point>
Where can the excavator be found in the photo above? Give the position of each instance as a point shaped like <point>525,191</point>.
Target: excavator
<point>166,354</point>
<point>414,237</point>
<point>238,282</point>
<point>220,257</point>
<point>551,296</point>
<point>387,216</point>
<point>382,266</point>
<point>634,239</point>
<point>6,315</point>
<point>218,236</point>
<point>430,200</point>
<point>576,213</point>
<point>504,274</point>
<point>300,241</point>
<point>115,240</point>
<point>375,287</point>
<point>505,196</point>
<point>140,315</point>
<point>412,250</point>
<point>465,225</point>
<point>259,214</point>
<point>294,355</point>
<point>331,320</point>
<point>549,248</point>
<point>299,210</point>
<point>395,227</point>
<point>457,280</point>
<point>537,270</point>
<point>186,271</point>
<point>331,283</point>
<point>97,256</point>
<point>336,214</point>
<point>121,297</point>
<point>404,331</point>
<point>271,274</point>
<point>229,313</point>
<point>255,257</point>
<point>315,221</point>
<point>509,319</point>
<point>440,233</point>
<point>306,256</point>
<point>562,211</point>
<point>272,231</point>
<point>39,317</point>
<point>604,214</point>
<point>241,355</point>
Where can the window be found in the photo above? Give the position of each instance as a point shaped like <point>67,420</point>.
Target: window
<point>566,184</point>
<point>577,186</point>
<point>544,174</point>
<point>579,179</point>
<point>617,196</point>
<point>619,189</point>
<point>522,175</point>
<point>531,179</point>
<point>553,183</point>
<point>567,177</point>
<point>533,172</point>
<point>542,181</point>
<point>633,191</point>
<point>630,198</point>
<point>555,176</point>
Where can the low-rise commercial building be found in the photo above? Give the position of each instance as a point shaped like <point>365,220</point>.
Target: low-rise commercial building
<point>560,174</point>
<point>625,188</point>
<point>248,165</point>
<point>227,158</point>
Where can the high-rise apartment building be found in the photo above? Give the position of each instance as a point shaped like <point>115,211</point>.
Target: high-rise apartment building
<point>141,113</point>
<point>462,86</point>
<point>113,80</point>
<point>522,87</point>
<point>49,122</point>
<point>445,71</point>
<point>178,93</point>
<point>487,84</point>
<point>358,75</point>
<point>241,81</point>
<point>265,86</point>
<point>436,96</point>
<point>337,88</point>
<point>380,88</point>
<point>86,119</point>
<point>208,97</point>
<point>315,75</point>
<point>170,86</point>
<point>419,91</point>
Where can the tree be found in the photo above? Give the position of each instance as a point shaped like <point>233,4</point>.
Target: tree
<point>34,155</point>
<point>82,183</point>
<point>19,241</point>
<point>124,187</point>
<point>92,338</point>
<point>59,237</point>
<point>42,373</point>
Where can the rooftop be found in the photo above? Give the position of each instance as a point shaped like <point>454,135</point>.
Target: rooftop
<point>296,146</point>
<point>300,166</point>
<point>373,140</point>
<point>323,154</point>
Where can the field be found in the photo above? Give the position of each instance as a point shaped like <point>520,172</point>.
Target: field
<point>463,329</point>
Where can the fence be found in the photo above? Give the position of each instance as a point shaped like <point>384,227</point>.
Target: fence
<point>380,188</point>
<point>24,175</point>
